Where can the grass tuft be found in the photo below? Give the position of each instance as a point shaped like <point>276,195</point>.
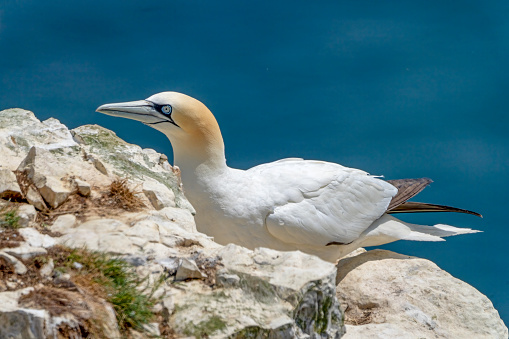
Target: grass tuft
<point>122,196</point>
<point>114,280</point>
<point>9,217</point>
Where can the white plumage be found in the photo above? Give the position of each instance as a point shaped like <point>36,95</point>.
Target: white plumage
<point>317,207</point>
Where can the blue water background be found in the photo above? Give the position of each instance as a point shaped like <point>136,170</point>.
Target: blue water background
<point>400,88</point>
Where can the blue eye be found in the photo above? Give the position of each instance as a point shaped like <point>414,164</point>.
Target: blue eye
<point>166,109</point>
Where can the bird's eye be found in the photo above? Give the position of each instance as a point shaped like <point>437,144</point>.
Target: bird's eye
<point>166,109</point>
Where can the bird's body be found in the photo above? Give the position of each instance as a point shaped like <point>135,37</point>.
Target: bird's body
<point>317,207</point>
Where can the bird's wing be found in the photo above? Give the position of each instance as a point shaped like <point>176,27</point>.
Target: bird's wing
<point>318,203</point>
<point>407,188</point>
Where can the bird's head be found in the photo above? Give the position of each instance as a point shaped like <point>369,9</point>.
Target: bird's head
<point>188,123</point>
<point>168,112</point>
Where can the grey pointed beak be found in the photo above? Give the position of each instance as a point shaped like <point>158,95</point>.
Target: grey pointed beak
<point>140,110</point>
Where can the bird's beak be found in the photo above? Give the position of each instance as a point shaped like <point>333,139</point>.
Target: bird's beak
<point>140,110</point>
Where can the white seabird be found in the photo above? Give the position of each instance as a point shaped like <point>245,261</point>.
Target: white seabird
<point>316,207</point>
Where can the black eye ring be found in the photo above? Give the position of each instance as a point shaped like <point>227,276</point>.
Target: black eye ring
<point>166,110</point>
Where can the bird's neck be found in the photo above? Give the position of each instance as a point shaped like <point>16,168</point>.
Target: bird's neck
<point>200,157</point>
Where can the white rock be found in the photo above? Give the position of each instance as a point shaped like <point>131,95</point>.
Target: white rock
<point>103,226</point>
<point>64,223</point>
<point>140,242</point>
<point>83,187</point>
<point>26,214</point>
<point>144,229</point>
<point>380,331</point>
<point>116,244</point>
<point>390,295</point>
<point>36,239</point>
<point>34,198</point>
<point>182,217</point>
<point>188,270</point>
<point>9,300</point>
<point>152,329</point>
<point>80,238</point>
<point>19,267</point>
<point>168,306</point>
<point>158,251</point>
<point>9,188</point>
<point>97,164</point>
<point>170,264</point>
<point>279,295</point>
<point>55,191</point>
<point>20,129</point>
<point>158,194</point>
<point>47,269</point>
<point>224,279</point>
<point>25,251</point>
<point>43,169</point>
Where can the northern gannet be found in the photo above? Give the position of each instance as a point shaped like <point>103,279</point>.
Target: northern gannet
<point>317,207</point>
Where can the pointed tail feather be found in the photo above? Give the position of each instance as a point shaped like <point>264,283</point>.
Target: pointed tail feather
<point>388,229</point>
<point>434,233</point>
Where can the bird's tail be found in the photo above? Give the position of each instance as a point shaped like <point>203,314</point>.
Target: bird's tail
<point>434,233</point>
<point>388,229</point>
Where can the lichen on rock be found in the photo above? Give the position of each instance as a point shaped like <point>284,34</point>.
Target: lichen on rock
<point>84,183</point>
<point>88,190</point>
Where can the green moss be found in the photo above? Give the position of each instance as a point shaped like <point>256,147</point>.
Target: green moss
<point>251,332</point>
<point>263,290</point>
<point>322,316</point>
<point>22,142</point>
<point>114,151</point>
<point>256,332</point>
<point>102,139</point>
<point>206,327</point>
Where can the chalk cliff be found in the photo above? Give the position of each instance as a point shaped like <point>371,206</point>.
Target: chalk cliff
<point>68,196</point>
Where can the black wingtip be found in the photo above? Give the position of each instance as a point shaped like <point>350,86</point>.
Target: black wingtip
<point>421,207</point>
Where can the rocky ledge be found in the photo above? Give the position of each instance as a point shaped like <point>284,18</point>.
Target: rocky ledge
<point>98,240</point>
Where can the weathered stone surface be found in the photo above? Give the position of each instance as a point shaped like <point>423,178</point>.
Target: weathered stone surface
<point>152,329</point>
<point>55,192</point>
<point>9,188</point>
<point>20,130</point>
<point>158,194</point>
<point>278,295</point>
<point>34,198</point>
<point>36,239</point>
<point>47,269</point>
<point>179,217</point>
<point>25,251</point>
<point>42,169</point>
<point>145,229</point>
<point>26,214</point>
<point>188,270</point>
<point>127,160</point>
<point>27,323</point>
<point>83,187</point>
<point>64,223</point>
<point>20,323</point>
<point>389,295</point>
<point>19,267</point>
<point>239,293</point>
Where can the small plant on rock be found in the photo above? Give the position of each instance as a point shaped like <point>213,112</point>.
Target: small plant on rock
<point>9,217</point>
<point>122,196</point>
<point>114,280</point>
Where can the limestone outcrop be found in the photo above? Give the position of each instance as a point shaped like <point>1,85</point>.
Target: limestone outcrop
<point>67,196</point>
<point>88,189</point>
<point>390,295</point>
